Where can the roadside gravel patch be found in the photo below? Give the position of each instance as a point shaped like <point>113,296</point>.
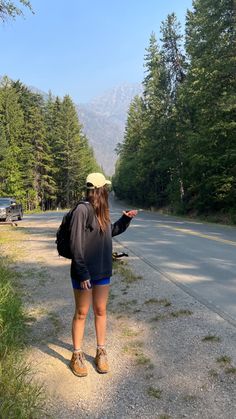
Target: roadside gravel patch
<point>161,366</point>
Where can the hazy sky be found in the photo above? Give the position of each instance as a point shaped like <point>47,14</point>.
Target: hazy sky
<point>83,47</point>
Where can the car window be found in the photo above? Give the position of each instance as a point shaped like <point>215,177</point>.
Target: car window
<point>5,201</point>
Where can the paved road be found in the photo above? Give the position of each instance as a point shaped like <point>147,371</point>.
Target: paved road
<point>199,257</point>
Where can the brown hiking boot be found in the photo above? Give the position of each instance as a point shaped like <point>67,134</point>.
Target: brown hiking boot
<point>77,364</point>
<point>101,361</point>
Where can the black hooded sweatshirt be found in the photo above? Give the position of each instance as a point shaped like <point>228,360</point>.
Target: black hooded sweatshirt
<point>92,249</point>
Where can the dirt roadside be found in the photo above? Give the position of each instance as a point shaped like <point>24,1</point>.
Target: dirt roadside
<point>170,356</point>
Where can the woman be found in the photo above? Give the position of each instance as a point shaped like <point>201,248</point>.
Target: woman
<point>91,268</point>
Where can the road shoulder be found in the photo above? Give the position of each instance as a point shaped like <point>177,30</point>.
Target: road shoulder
<point>170,356</point>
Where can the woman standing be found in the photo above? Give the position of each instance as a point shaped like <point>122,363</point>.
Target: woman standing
<point>91,268</point>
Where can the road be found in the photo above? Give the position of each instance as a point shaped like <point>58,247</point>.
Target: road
<point>199,257</point>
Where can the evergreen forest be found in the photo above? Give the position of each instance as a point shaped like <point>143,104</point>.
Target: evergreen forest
<point>179,150</point>
<point>44,156</point>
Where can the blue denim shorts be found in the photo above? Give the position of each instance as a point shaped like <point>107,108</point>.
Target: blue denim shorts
<point>76,284</point>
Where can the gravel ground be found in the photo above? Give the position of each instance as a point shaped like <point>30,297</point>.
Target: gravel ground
<point>170,356</point>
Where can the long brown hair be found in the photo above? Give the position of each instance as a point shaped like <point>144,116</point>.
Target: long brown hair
<point>98,198</point>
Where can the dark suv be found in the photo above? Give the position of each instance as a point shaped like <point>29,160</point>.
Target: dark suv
<point>10,210</point>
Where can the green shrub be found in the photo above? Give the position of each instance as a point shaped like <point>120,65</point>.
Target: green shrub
<point>12,328</point>
<point>19,397</point>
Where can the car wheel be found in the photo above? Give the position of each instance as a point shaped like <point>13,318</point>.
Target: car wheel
<point>20,216</point>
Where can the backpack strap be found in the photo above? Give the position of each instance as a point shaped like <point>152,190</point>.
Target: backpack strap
<point>90,214</point>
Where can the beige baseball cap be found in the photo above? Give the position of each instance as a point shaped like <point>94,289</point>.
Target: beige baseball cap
<point>96,180</point>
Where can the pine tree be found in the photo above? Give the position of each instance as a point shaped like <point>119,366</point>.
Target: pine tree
<point>74,157</point>
<point>187,156</point>
<point>129,165</point>
<point>172,52</point>
<point>11,128</point>
<point>44,156</point>
<point>210,94</point>
<point>36,160</point>
<point>54,127</point>
<point>146,138</point>
<point>40,161</point>
<point>155,163</point>
<point>175,64</point>
<point>52,121</point>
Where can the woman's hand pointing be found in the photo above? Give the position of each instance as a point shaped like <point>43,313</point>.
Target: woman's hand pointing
<point>130,213</point>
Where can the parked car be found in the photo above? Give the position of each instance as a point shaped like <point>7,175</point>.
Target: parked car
<point>10,210</point>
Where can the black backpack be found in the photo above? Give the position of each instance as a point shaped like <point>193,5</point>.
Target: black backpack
<point>63,232</point>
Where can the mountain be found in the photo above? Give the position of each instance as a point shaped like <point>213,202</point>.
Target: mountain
<point>104,119</point>
<point>39,92</point>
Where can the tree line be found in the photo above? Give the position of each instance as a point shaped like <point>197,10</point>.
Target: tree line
<point>179,149</point>
<point>44,156</point>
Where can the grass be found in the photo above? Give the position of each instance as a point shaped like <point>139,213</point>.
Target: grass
<point>224,359</point>
<point>164,302</point>
<point>154,392</point>
<point>11,238</point>
<point>142,359</point>
<point>34,211</point>
<point>121,307</point>
<point>226,366</point>
<point>137,310</point>
<point>11,312</point>
<point>151,301</point>
<point>18,396</point>
<point>211,338</point>
<point>121,268</point>
<point>180,313</point>
<point>128,333</point>
<point>5,240</point>
<point>126,305</point>
<point>224,362</point>
<point>38,311</point>
<point>111,300</point>
<point>216,218</point>
<point>41,273</point>
<point>213,373</point>
<point>135,349</point>
<point>230,370</point>
<point>56,321</point>
<point>158,317</point>
<point>175,314</point>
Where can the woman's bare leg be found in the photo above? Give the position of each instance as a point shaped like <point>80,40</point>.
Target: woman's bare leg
<point>82,303</point>
<point>100,297</point>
